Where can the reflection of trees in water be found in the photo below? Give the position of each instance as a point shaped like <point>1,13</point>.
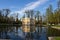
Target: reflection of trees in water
<point>29,36</point>
<point>5,30</point>
<point>16,29</point>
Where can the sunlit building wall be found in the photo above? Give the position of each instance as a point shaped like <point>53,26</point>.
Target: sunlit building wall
<point>28,25</point>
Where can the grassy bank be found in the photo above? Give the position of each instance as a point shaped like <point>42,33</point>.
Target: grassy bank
<point>57,38</point>
<point>56,25</point>
<point>53,32</point>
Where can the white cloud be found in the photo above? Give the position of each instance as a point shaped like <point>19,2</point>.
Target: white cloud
<point>31,6</point>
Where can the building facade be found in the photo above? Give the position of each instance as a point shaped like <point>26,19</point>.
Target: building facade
<point>28,25</point>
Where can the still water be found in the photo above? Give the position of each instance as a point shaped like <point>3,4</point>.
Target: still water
<point>20,35</point>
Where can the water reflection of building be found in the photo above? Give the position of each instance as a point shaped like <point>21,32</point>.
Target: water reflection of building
<point>28,25</point>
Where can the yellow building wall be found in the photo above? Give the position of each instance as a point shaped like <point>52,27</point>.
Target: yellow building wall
<point>26,25</point>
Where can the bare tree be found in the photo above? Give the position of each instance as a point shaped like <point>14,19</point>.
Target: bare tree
<point>6,12</point>
<point>27,13</point>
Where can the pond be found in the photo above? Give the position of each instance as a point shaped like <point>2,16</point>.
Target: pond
<point>39,34</point>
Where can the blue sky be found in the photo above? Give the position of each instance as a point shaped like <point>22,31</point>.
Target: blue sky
<point>19,6</point>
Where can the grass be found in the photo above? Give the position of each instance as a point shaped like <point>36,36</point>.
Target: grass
<point>57,25</point>
<point>57,38</point>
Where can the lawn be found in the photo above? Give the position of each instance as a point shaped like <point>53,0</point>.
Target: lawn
<point>57,38</point>
<point>57,25</point>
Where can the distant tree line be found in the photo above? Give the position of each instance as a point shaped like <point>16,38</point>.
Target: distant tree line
<point>4,19</point>
<point>33,15</point>
<point>53,16</point>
